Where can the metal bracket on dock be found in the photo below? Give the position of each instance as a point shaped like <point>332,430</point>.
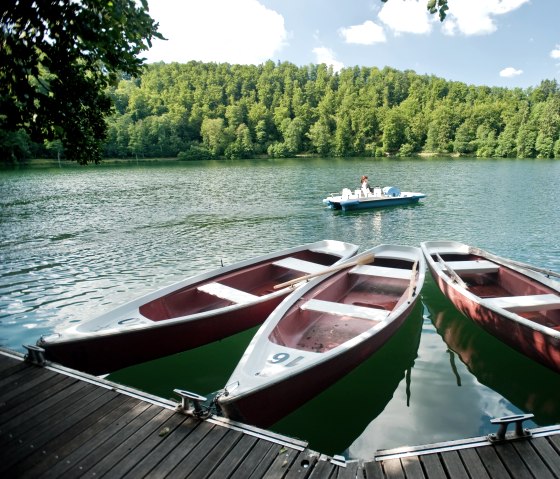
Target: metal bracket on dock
<point>35,355</point>
<point>191,404</point>
<point>504,422</point>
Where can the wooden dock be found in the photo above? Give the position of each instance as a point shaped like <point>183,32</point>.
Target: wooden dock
<point>57,422</point>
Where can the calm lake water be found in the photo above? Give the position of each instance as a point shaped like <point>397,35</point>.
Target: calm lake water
<point>76,242</point>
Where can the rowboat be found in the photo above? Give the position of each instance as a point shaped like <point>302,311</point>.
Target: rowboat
<point>349,200</point>
<point>321,332</point>
<point>190,313</point>
<point>516,302</point>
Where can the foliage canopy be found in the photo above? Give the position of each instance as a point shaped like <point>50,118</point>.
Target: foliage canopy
<point>202,110</point>
<point>56,60</point>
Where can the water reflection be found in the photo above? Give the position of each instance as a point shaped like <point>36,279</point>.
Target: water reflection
<point>526,384</point>
<point>77,242</point>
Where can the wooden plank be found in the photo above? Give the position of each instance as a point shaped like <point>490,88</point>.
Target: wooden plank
<point>303,463</point>
<point>373,470</point>
<point>48,434</point>
<point>473,463</point>
<point>39,417</point>
<point>263,463</point>
<point>512,461</point>
<point>282,465</point>
<point>477,266</point>
<point>258,453</point>
<point>207,454</point>
<point>322,470</point>
<point>393,469</point>
<point>235,458</point>
<point>555,442</point>
<point>412,467</point>
<point>139,446</point>
<point>110,454</point>
<point>351,471</point>
<point>188,442</point>
<point>19,378</point>
<point>492,462</point>
<point>58,461</point>
<point>300,265</point>
<point>12,370</point>
<point>28,414</point>
<point>533,461</point>
<point>228,293</point>
<point>433,466</point>
<point>546,450</point>
<point>453,465</point>
<point>382,271</point>
<point>520,304</point>
<point>35,379</point>
<point>342,309</point>
<point>7,362</point>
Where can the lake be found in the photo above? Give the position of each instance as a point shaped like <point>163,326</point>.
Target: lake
<point>76,242</point>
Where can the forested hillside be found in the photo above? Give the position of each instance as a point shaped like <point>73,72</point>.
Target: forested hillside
<point>208,110</point>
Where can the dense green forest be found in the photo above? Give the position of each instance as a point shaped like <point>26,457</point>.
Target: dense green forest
<point>208,110</point>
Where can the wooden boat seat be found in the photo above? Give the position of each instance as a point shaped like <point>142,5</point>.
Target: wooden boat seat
<point>300,265</point>
<point>342,309</point>
<point>228,293</point>
<point>383,271</point>
<point>536,302</point>
<point>473,267</point>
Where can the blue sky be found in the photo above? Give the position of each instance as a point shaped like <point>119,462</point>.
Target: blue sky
<point>510,43</point>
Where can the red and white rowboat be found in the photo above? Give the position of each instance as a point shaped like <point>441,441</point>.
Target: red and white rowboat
<point>190,313</point>
<point>321,332</point>
<point>516,302</point>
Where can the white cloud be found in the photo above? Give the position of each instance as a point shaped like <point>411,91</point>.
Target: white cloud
<point>476,17</point>
<point>406,17</point>
<point>367,33</point>
<point>555,53</point>
<point>326,55</point>
<point>510,72</point>
<point>244,31</point>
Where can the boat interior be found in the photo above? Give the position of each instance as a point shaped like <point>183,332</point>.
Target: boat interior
<point>344,306</point>
<point>237,287</point>
<point>499,286</point>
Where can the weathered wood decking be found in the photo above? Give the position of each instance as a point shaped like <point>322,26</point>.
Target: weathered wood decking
<point>56,422</point>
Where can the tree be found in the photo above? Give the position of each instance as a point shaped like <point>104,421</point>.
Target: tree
<point>435,6</point>
<point>57,59</point>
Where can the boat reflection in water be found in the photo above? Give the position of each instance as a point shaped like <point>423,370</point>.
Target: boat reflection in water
<point>528,385</point>
<point>340,413</point>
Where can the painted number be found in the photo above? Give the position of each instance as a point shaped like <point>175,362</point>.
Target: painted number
<point>283,357</point>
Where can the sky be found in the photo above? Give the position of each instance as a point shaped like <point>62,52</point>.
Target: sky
<point>507,43</point>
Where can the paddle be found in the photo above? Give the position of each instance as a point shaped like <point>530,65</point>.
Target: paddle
<point>412,288</point>
<point>546,272</point>
<point>368,258</point>
<point>451,272</point>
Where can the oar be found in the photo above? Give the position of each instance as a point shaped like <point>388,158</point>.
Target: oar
<point>412,287</point>
<point>451,273</point>
<point>368,258</point>
<point>546,272</point>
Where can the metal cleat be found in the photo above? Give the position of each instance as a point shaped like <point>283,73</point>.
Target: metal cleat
<point>35,355</point>
<point>504,422</point>
<point>191,404</point>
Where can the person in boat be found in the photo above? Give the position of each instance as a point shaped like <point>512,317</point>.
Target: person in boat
<point>365,185</point>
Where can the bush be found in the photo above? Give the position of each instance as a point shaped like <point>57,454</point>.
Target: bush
<point>194,152</point>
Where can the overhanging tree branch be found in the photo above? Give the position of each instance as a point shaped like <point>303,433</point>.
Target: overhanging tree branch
<point>57,58</point>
